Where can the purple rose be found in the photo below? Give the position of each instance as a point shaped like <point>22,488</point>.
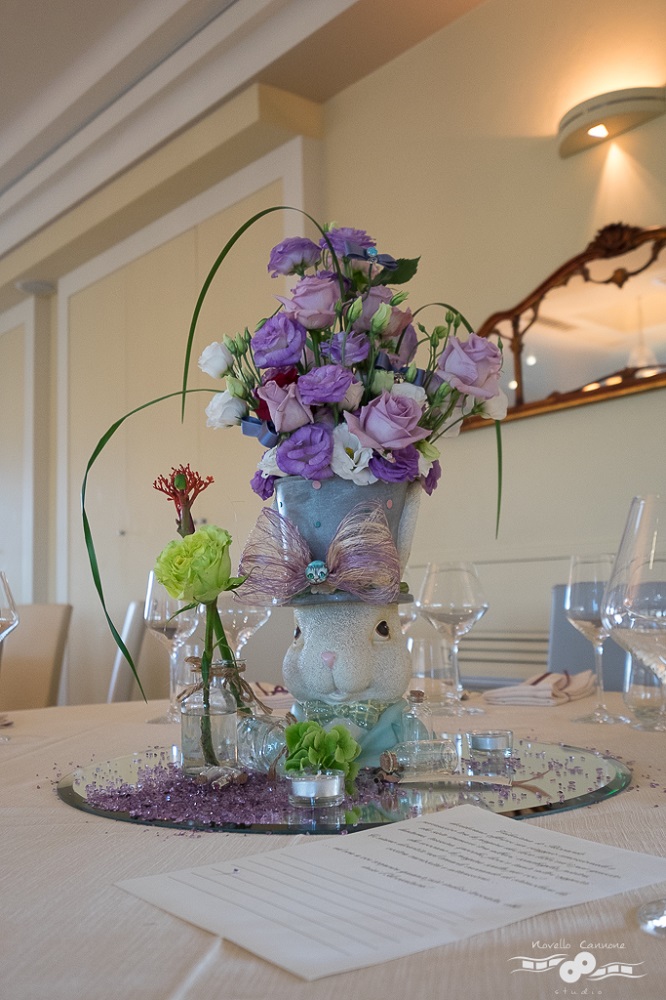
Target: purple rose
<point>388,422</point>
<point>404,466</point>
<point>347,347</point>
<point>263,486</point>
<point>472,366</point>
<point>313,301</point>
<point>401,348</point>
<point>285,406</point>
<point>429,482</point>
<point>343,235</point>
<point>279,342</point>
<point>328,384</point>
<point>293,255</point>
<point>307,452</point>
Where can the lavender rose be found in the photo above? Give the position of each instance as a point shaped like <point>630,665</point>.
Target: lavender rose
<point>279,342</point>
<point>403,466</point>
<point>287,410</point>
<point>307,452</point>
<point>387,422</point>
<point>343,235</point>
<point>472,366</point>
<point>293,256</point>
<point>328,384</point>
<point>313,301</point>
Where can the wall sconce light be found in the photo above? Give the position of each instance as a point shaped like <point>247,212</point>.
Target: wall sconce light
<point>608,115</point>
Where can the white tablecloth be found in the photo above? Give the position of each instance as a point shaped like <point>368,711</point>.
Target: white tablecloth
<point>68,932</point>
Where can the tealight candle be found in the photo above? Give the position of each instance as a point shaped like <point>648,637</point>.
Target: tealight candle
<point>490,751</point>
<point>317,788</point>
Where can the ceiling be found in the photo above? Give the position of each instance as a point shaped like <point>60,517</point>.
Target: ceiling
<point>65,63</point>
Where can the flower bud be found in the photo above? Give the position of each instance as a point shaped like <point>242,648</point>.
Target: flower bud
<point>381,318</point>
<point>235,387</point>
<point>230,344</point>
<point>382,380</point>
<point>398,298</point>
<point>355,310</point>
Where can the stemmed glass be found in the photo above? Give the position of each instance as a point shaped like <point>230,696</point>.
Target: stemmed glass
<point>161,615</point>
<point>452,600</point>
<point>588,576</point>
<point>240,621</point>
<point>634,612</point>
<point>407,611</point>
<point>9,618</point>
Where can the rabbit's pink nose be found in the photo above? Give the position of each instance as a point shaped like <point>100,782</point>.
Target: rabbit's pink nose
<point>329,658</point>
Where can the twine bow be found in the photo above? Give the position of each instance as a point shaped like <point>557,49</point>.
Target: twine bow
<point>231,677</point>
<point>362,559</point>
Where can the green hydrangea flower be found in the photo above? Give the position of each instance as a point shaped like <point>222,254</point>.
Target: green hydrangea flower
<point>309,745</point>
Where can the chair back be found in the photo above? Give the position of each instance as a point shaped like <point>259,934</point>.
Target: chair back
<point>132,633</point>
<point>569,650</point>
<point>32,657</point>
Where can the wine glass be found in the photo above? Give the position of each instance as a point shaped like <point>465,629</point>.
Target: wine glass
<point>162,617</point>
<point>9,618</point>
<point>407,610</point>
<point>588,576</point>
<point>634,612</point>
<point>240,621</point>
<point>452,600</point>
<point>645,697</point>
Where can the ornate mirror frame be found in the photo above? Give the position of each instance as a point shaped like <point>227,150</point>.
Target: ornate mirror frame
<point>615,240</point>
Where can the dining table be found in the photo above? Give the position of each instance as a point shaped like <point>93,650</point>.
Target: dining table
<point>69,931</point>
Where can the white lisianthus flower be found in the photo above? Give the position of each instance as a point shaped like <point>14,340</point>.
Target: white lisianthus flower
<point>350,459</point>
<point>416,392</point>
<point>353,396</point>
<point>495,408</point>
<point>427,455</point>
<point>225,410</point>
<point>268,464</point>
<point>216,360</point>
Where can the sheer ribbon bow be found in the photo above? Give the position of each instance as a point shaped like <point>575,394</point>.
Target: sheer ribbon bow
<point>362,559</point>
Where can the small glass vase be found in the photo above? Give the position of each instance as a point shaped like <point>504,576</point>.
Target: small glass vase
<point>208,725</point>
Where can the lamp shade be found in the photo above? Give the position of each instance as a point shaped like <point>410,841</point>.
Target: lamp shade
<point>608,115</point>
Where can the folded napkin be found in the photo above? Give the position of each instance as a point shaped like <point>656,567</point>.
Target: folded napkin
<point>274,695</point>
<point>545,689</point>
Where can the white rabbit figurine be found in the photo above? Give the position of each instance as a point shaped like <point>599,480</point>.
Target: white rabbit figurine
<point>348,653</point>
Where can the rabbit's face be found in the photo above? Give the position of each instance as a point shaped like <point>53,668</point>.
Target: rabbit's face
<point>347,652</point>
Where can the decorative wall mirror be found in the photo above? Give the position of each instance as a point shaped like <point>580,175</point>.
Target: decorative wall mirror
<point>593,330</point>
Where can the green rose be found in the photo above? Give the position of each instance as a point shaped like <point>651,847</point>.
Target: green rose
<point>197,568</point>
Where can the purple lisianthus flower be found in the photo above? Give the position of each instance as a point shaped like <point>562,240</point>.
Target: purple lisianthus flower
<point>404,466</point>
<point>307,452</point>
<point>429,482</point>
<point>279,342</point>
<point>263,486</point>
<point>471,366</point>
<point>313,301</point>
<point>328,384</point>
<point>293,255</point>
<point>347,347</point>
<point>343,235</point>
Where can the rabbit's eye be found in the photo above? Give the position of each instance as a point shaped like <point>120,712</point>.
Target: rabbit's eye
<point>297,633</point>
<point>382,629</point>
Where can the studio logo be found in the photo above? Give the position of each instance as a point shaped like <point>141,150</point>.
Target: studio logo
<point>581,966</point>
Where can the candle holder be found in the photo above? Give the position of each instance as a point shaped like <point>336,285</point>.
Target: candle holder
<point>490,752</point>
<point>317,788</point>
